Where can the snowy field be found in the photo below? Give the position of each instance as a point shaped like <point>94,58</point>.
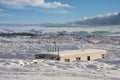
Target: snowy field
<point>17,60</point>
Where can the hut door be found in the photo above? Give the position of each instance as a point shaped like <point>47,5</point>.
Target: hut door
<point>88,58</point>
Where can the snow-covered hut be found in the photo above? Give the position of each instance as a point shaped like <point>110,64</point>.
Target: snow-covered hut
<point>72,55</point>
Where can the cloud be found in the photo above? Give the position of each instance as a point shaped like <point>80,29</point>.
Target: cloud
<point>32,3</point>
<point>100,20</point>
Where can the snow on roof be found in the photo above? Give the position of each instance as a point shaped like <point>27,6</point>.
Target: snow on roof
<point>69,52</point>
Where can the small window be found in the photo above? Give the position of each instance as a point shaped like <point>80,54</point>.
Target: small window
<point>88,58</point>
<point>103,56</point>
<point>78,58</point>
<point>67,60</point>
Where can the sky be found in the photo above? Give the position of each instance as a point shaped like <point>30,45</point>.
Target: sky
<point>54,11</point>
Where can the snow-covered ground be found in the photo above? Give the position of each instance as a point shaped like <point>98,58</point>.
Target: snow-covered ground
<point>17,60</point>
